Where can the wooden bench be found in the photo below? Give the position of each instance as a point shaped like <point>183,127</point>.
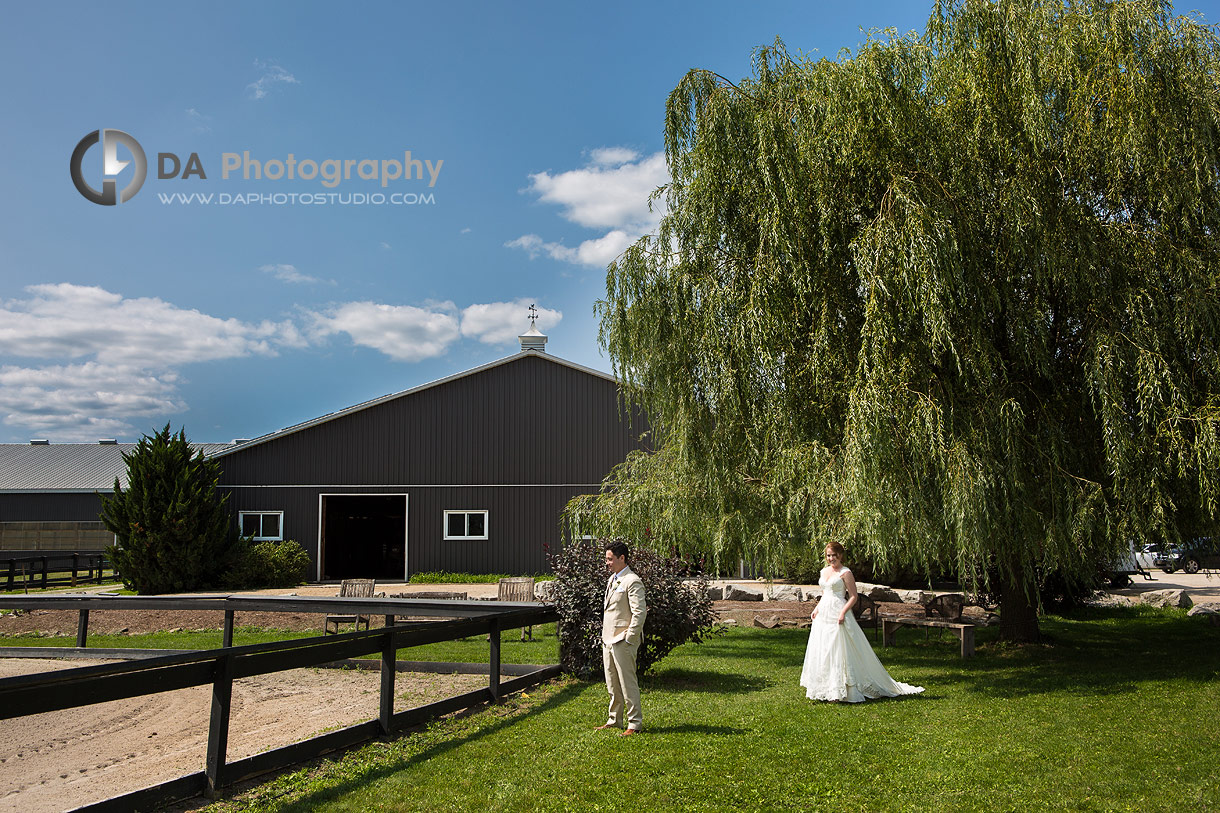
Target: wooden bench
<point>435,595</point>
<point>963,630</point>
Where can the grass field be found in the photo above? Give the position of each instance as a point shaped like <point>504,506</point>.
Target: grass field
<point>1117,712</point>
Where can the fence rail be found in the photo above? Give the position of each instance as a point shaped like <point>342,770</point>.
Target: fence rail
<point>53,570</point>
<point>71,688</point>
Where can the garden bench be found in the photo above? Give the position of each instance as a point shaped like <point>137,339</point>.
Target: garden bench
<point>518,588</point>
<point>962,629</point>
<point>433,595</point>
<point>350,588</point>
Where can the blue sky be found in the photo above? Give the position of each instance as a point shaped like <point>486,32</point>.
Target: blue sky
<point>542,122</point>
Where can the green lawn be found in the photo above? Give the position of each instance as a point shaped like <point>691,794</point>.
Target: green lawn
<point>1119,712</point>
<point>543,649</point>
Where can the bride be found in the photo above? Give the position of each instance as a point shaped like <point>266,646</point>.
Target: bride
<point>839,663</point>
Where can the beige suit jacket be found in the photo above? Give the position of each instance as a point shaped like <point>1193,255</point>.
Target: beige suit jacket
<point>625,609</point>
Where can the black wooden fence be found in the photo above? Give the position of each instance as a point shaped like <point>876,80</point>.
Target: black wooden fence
<point>71,688</point>
<point>53,570</point>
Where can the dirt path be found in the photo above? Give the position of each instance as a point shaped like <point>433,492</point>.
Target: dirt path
<point>63,759</point>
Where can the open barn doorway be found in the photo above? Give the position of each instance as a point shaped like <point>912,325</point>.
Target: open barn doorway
<point>364,536</point>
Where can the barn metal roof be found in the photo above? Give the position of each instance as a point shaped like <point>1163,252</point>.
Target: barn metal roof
<point>68,467</point>
<point>245,444</point>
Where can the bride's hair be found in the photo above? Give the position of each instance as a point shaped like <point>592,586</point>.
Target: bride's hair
<point>836,548</point>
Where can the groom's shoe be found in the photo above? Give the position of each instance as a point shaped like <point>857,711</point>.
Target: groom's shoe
<point>604,727</point>
<point>628,732</point>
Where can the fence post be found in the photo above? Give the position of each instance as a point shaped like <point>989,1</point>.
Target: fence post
<point>44,573</point>
<point>389,666</point>
<point>218,726</point>
<point>82,629</point>
<point>12,571</point>
<point>75,565</point>
<point>228,633</point>
<point>493,669</point>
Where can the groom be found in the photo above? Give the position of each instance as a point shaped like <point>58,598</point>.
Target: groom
<point>622,631</point>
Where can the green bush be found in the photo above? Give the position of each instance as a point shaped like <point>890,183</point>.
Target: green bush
<point>678,610</point>
<point>271,563</point>
<point>173,529</point>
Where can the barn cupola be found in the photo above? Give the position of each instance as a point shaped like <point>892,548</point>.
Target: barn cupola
<point>533,339</point>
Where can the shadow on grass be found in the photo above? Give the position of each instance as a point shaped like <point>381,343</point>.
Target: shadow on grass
<point>1090,652</point>
<point>362,778</point>
<point>690,680</point>
<point>692,728</point>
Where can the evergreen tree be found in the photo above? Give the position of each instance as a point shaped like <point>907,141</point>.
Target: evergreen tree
<point>951,300</point>
<point>174,530</point>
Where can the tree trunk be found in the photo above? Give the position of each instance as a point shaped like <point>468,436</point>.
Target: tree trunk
<point>1018,614</point>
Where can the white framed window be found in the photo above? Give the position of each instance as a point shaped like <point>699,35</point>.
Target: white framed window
<point>261,525</point>
<point>465,524</point>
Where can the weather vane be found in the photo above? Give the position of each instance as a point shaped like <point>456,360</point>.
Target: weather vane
<point>533,316</point>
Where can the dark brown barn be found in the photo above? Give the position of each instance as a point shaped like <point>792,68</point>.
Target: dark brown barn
<point>466,474</point>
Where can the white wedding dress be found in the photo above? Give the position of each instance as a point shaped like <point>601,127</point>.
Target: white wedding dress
<point>839,663</point>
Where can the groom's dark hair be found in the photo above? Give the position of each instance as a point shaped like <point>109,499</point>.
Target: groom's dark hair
<point>616,546</point>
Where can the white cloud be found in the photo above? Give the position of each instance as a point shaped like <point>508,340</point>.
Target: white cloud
<point>63,320</point>
<point>605,195</point>
<point>199,122</point>
<point>111,359</point>
<point>84,402</point>
<point>503,322</point>
<point>402,332</point>
<point>106,365</point>
<point>613,156</point>
<point>288,273</point>
<point>609,194</point>
<point>598,252</point>
<point>273,75</point>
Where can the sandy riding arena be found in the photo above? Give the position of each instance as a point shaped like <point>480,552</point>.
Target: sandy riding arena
<point>64,759</point>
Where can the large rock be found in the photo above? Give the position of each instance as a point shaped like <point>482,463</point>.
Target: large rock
<point>785,592</point>
<point>812,593</point>
<point>544,591</point>
<point>1209,611</point>
<point>715,593</point>
<point>735,592</point>
<point>913,596</point>
<point>879,592</point>
<point>1167,598</point>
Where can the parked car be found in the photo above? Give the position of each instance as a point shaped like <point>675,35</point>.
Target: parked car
<point>1193,556</point>
<point>1145,556</point>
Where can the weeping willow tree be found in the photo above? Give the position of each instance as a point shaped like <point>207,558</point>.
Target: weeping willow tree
<point>950,299</point>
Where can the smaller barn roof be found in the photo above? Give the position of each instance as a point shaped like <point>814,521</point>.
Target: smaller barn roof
<point>68,467</point>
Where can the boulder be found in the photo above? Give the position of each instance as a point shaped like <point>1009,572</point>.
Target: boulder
<point>768,623</point>
<point>735,592</point>
<point>715,593</point>
<point>812,593</point>
<point>913,596</point>
<point>544,591</point>
<point>784,592</point>
<point>728,622</point>
<point>1166,598</point>
<point>1209,611</point>
<point>880,592</point>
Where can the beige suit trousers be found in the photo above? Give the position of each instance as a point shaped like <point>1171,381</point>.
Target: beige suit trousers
<point>621,682</point>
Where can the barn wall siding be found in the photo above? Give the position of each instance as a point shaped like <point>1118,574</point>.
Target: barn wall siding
<point>518,440</point>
